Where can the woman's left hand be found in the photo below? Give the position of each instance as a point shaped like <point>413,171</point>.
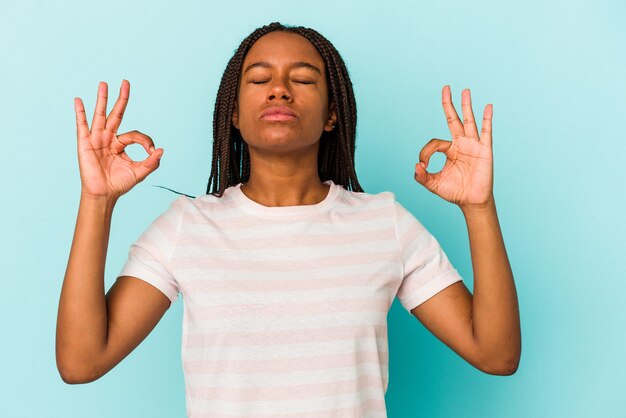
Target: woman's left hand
<point>467,176</point>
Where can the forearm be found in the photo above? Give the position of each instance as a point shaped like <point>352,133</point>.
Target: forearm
<point>82,317</point>
<point>495,311</point>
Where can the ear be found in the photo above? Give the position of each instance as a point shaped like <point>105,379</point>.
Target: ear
<point>235,117</point>
<point>332,118</point>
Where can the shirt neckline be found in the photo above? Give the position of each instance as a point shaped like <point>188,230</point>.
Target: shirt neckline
<point>285,211</point>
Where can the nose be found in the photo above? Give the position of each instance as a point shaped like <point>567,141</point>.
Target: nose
<point>278,89</point>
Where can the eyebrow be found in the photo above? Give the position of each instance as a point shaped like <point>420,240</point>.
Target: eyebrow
<point>298,64</point>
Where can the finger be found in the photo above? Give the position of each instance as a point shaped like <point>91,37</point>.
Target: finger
<point>100,114</point>
<point>433,146</point>
<point>469,123</point>
<point>147,166</point>
<point>454,123</point>
<point>125,156</point>
<point>424,178</point>
<point>82,129</point>
<point>485,133</point>
<point>117,113</point>
<point>132,137</point>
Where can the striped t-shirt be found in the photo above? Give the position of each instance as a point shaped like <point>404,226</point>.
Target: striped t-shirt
<point>285,308</point>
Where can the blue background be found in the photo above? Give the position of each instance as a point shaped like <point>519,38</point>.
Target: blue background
<point>554,71</point>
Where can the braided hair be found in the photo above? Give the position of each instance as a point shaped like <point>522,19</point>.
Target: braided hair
<point>231,159</point>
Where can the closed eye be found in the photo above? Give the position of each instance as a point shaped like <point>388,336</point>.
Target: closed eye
<point>295,81</point>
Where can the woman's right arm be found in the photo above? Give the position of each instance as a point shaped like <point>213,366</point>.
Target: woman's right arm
<point>96,331</point>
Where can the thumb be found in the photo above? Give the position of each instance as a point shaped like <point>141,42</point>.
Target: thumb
<point>147,166</point>
<point>423,177</point>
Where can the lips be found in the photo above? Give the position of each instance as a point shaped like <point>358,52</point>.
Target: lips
<point>278,113</point>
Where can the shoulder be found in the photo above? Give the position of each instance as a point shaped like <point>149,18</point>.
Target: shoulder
<point>367,200</point>
<point>205,207</point>
<point>180,206</point>
<point>384,204</point>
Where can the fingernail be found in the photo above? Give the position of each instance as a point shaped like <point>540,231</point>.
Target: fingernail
<point>151,148</point>
<point>423,165</point>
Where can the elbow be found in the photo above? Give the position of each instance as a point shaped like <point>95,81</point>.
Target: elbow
<point>77,378</point>
<point>503,367</point>
<point>501,361</point>
<point>68,377</point>
<point>72,374</point>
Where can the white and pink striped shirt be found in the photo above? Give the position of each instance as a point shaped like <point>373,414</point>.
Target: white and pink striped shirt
<point>285,308</point>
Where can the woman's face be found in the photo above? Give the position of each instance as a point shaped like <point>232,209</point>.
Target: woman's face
<point>283,72</point>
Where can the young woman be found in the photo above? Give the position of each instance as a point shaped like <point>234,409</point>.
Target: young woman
<point>286,266</point>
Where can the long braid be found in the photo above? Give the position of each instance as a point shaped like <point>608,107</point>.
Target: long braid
<point>231,158</point>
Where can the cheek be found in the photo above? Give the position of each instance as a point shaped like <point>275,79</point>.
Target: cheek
<point>323,105</point>
<point>323,112</point>
<point>246,114</point>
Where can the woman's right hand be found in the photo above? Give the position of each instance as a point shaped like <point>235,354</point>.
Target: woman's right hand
<point>106,171</point>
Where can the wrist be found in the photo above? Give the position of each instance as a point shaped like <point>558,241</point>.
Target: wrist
<point>482,209</point>
<point>100,201</point>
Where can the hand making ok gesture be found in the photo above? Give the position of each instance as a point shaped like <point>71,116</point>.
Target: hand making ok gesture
<point>106,171</point>
<point>467,176</point>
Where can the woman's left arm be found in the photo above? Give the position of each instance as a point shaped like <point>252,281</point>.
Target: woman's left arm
<point>483,328</point>
<point>495,311</point>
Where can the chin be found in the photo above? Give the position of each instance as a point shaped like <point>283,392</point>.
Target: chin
<point>278,135</point>
<point>279,143</point>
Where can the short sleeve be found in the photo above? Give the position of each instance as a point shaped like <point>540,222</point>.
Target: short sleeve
<point>149,257</point>
<point>427,269</point>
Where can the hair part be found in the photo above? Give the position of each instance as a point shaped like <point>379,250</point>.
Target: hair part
<point>231,159</point>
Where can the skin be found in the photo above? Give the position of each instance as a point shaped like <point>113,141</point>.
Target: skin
<point>483,328</point>
<point>95,331</point>
<point>283,154</point>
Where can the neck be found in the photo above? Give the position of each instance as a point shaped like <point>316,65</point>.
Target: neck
<point>285,181</point>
